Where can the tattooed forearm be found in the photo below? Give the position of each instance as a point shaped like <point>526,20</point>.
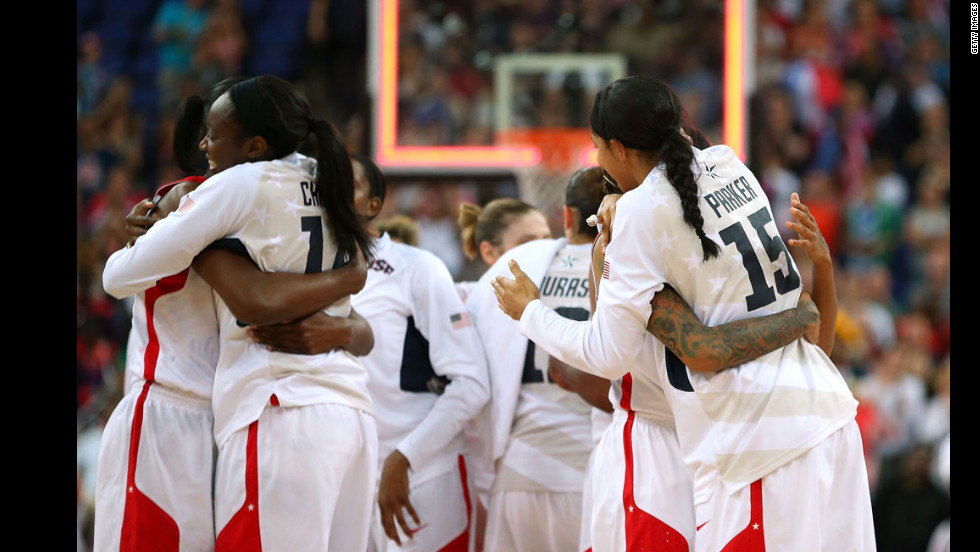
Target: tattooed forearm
<point>705,349</point>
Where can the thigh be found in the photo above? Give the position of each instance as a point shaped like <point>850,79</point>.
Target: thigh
<point>532,521</point>
<point>160,486</point>
<point>819,502</point>
<point>822,501</point>
<point>298,479</point>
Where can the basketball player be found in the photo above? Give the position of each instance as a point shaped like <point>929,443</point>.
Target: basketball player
<point>488,232</point>
<point>642,434</point>
<point>305,419</point>
<point>428,378</point>
<point>157,453</point>
<point>698,221</point>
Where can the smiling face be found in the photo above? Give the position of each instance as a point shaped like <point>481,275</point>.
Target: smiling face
<point>223,144</point>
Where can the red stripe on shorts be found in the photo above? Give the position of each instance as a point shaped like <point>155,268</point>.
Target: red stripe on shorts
<point>241,534</point>
<point>462,542</point>
<point>643,531</point>
<point>752,538</point>
<point>146,526</point>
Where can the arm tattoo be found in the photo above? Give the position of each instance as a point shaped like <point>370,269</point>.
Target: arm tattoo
<point>715,348</point>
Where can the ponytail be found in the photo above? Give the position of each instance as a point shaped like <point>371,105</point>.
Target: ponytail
<point>488,224</point>
<point>678,157</point>
<point>335,189</point>
<point>469,214</point>
<point>189,127</point>
<point>187,136</point>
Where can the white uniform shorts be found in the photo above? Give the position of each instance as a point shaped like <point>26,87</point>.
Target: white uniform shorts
<point>819,502</point>
<point>153,492</point>
<point>532,521</point>
<point>297,479</point>
<point>641,490</point>
<point>446,511</point>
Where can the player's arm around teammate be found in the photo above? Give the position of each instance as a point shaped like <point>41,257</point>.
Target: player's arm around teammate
<point>701,347</point>
<point>272,301</point>
<point>824,289</point>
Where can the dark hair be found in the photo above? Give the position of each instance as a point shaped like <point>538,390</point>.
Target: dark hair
<point>375,177</point>
<point>697,137</point>
<point>189,127</point>
<point>584,193</point>
<point>488,223</point>
<point>645,114</point>
<point>274,109</point>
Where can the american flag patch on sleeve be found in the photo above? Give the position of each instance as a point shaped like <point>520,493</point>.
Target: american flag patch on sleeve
<point>605,270</point>
<point>185,204</point>
<point>460,320</point>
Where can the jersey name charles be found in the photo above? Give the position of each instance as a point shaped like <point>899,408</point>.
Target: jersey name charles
<point>737,193</point>
<point>310,196</point>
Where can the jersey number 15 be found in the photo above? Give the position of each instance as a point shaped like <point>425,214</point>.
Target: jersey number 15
<point>762,293</point>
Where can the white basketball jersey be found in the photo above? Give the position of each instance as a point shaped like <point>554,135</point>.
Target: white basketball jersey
<point>551,438</point>
<point>428,373</point>
<point>270,211</point>
<point>743,423</point>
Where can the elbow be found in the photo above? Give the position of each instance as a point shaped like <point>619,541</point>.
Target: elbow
<point>114,286</point>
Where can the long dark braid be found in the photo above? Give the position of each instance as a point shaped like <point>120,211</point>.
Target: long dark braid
<point>645,114</point>
<point>678,158</point>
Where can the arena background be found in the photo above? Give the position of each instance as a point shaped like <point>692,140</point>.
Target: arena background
<point>843,101</point>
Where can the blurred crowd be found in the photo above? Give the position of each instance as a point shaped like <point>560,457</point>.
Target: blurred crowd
<point>851,110</point>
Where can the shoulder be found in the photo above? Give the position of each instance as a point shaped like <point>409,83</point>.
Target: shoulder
<point>719,154</point>
<point>237,174</point>
<point>533,248</point>
<point>418,260</point>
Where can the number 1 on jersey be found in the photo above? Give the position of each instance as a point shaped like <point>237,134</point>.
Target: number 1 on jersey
<point>314,258</point>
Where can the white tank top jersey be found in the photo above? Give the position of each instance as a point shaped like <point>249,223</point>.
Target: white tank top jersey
<point>269,210</point>
<point>552,434</point>
<point>427,371</point>
<point>738,424</point>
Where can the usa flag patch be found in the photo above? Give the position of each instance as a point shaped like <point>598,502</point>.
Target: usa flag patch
<point>605,270</point>
<point>460,320</point>
<point>185,204</point>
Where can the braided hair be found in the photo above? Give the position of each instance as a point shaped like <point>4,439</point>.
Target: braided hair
<point>646,115</point>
